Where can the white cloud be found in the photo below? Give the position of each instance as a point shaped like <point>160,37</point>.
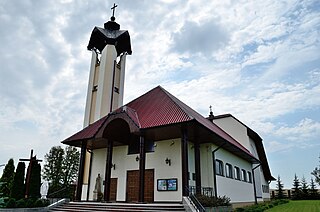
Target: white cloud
<point>244,67</point>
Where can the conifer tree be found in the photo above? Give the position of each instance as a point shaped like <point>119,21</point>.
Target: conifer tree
<point>304,188</point>
<point>35,181</point>
<point>280,192</point>
<point>296,194</point>
<point>313,190</point>
<point>7,179</point>
<point>18,186</point>
<point>316,173</point>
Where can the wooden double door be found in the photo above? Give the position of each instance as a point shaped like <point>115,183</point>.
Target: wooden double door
<point>133,186</point>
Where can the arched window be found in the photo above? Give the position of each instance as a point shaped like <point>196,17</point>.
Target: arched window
<point>237,173</point>
<point>229,170</point>
<point>219,167</point>
<point>249,177</point>
<point>244,175</point>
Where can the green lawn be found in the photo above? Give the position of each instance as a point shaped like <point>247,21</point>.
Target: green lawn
<point>298,206</point>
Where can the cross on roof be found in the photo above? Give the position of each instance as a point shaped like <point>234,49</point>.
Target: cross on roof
<point>113,8</point>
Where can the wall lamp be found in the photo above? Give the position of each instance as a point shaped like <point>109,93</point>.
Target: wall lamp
<point>137,158</point>
<point>168,161</point>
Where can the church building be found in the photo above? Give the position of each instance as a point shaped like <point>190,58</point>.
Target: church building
<point>156,148</point>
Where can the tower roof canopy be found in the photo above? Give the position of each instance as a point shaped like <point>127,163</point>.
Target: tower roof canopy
<point>110,34</point>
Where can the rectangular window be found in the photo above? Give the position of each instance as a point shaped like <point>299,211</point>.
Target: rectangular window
<point>229,170</point>
<point>244,175</point>
<point>236,173</point>
<point>249,177</point>
<point>265,188</point>
<point>219,167</point>
<point>134,145</point>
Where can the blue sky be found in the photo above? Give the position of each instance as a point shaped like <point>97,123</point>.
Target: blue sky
<point>258,60</point>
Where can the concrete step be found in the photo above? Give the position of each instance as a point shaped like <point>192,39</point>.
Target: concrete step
<point>93,206</point>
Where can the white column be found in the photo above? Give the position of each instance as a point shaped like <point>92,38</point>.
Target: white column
<point>89,91</point>
<point>105,81</point>
<point>122,75</point>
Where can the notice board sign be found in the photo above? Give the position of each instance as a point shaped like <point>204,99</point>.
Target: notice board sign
<point>167,184</point>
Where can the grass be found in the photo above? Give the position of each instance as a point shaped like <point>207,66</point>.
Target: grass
<point>298,206</point>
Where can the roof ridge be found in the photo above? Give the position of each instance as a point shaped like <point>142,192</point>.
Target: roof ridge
<point>178,102</point>
<point>142,95</point>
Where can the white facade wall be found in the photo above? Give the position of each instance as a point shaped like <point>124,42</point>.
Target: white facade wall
<point>236,190</point>
<point>170,149</point>
<point>239,132</point>
<point>234,128</point>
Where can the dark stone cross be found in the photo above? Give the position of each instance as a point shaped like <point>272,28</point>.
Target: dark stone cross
<point>113,8</point>
<point>32,160</point>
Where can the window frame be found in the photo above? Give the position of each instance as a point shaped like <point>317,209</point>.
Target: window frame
<point>244,175</point>
<point>249,177</point>
<point>229,170</point>
<point>219,167</point>
<point>237,173</point>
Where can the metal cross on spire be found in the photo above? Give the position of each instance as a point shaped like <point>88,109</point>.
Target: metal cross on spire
<point>113,9</point>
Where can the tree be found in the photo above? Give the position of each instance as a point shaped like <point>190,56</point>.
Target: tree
<point>18,186</point>
<point>52,169</point>
<point>316,173</point>
<point>61,167</point>
<point>7,178</point>
<point>35,181</point>
<point>304,188</point>
<point>280,193</point>
<point>296,188</point>
<point>313,190</point>
<point>70,165</point>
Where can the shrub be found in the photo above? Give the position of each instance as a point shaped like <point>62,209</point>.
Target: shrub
<point>262,206</point>
<point>30,203</point>
<point>213,202</point>
<point>21,203</point>
<point>11,203</point>
<point>3,201</point>
<point>38,203</point>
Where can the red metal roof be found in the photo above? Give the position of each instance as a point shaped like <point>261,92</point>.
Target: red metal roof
<point>88,132</point>
<point>157,108</point>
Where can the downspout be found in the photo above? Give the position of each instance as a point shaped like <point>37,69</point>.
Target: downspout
<point>214,170</point>
<point>254,185</point>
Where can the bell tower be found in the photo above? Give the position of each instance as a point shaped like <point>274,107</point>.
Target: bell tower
<point>109,46</point>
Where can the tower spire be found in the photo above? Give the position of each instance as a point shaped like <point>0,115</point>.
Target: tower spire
<point>113,10</point>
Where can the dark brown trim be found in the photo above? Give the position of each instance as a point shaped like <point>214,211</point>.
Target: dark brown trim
<point>81,170</point>
<point>142,165</point>
<point>197,167</point>
<point>112,90</point>
<point>184,159</point>
<point>107,179</point>
<point>124,116</point>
